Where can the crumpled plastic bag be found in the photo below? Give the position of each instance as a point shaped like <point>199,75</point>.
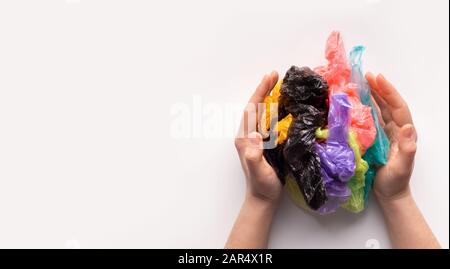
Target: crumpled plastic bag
<point>268,114</point>
<point>337,74</point>
<point>301,88</point>
<point>282,128</point>
<point>337,159</point>
<point>377,154</point>
<point>302,159</point>
<point>356,184</point>
<point>303,95</point>
<point>325,159</point>
<point>294,192</point>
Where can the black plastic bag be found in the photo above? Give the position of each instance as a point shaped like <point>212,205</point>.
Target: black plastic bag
<point>302,159</point>
<point>304,94</point>
<point>275,158</point>
<point>302,86</point>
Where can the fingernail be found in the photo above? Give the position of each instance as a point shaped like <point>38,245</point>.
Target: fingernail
<point>408,132</point>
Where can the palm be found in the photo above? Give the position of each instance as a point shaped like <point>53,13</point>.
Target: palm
<point>388,181</point>
<point>268,183</point>
<point>393,178</point>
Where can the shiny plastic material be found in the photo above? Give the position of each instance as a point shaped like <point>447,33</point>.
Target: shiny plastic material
<point>295,193</point>
<point>268,114</point>
<point>303,88</point>
<point>377,154</point>
<point>304,95</point>
<point>282,128</point>
<point>337,74</point>
<point>325,159</point>
<point>302,159</point>
<point>303,105</point>
<point>356,184</point>
<point>337,159</point>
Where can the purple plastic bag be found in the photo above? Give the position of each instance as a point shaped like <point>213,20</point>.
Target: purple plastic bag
<point>337,159</point>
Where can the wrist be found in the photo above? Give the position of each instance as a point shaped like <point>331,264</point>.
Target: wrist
<point>252,227</point>
<point>406,226</point>
<point>258,202</point>
<point>396,202</point>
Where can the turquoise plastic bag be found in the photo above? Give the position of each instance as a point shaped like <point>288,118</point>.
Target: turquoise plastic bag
<point>377,154</point>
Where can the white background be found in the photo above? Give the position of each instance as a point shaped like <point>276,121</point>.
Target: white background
<point>87,158</point>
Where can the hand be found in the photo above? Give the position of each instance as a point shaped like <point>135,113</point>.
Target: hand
<point>262,181</point>
<point>392,180</point>
<point>406,225</point>
<point>252,226</point>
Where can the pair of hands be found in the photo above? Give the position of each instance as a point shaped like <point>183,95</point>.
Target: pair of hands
<point>392,180</point>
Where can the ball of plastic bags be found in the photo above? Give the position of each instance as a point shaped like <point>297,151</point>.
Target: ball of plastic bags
<point>328,139</point>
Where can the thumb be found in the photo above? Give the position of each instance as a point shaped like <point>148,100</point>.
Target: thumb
<point>254,154</point>
<point>406,149</point>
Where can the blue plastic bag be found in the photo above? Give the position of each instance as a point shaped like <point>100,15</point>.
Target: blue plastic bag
<point>377,154</point>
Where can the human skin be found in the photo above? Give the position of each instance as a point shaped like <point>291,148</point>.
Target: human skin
<point>405,223</point>
<point>252,227</point>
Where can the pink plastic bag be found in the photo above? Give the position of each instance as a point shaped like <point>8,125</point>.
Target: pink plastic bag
<point>337,74</point>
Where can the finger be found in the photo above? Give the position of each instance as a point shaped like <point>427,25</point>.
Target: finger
<point>249,120</point>
<point>404,159</point>
<point>378,111</point>
<point>391,130</point>
<point>388,92</point>
<point>399,109</point>
<point>243,145</point>
<point>267,84</point>
<point>371,79</point>
<point>253,154</point>
<point>250,117</point>
<point>240,144</point>
<point>384,108</point>
<point>261,106</point>
<point>380,103</point>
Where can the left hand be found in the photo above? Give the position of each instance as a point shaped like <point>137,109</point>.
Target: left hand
<point>392,179</point>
